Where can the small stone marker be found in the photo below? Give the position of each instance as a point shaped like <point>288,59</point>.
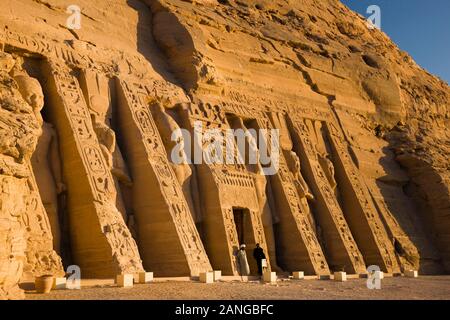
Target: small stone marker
<point>340,276</point>
<point>59,283</point>
<point>411,273</point>
<point>207,277</point>
<point>144,277</point>
<point>379,275</point>
<point>270,277</point>
<point>298,275</point>
<point>124,280</point>
<point>217,275</point>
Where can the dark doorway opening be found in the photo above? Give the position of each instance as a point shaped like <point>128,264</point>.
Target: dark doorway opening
<point>244,229</point>
<point>239,217</point>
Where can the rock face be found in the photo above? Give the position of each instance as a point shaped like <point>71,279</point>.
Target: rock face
<point>26,237</point>
<point>86,116</point>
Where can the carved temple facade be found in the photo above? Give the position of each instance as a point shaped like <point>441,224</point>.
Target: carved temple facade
<point>103,193</point>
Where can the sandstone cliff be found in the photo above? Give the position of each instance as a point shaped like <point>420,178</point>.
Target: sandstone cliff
<point>364,168</point>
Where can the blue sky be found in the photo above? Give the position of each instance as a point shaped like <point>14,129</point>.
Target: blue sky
<point>420,27</point>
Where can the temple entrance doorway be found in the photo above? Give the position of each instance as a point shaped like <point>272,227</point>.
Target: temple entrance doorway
<point>245,233</point>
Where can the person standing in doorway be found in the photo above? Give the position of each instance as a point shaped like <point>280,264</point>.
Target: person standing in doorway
<point>258,254</point>
<point>244,268</point>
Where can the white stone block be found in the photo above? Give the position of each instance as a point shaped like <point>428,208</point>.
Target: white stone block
<point>207,277</point>
<point>411,273</point>
<point>124,280</point>
<point>270,277</point>
<point>379,275</point>
<point>340,276</point>
<point>217,275</point>
<point>59,283</point>
<point>298,275</point>
<point>144,277</point>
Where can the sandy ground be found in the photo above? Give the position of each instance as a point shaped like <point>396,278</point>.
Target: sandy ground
<point>433,288</point>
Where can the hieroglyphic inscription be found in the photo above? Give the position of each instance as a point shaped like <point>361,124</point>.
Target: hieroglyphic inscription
<point>123,247</point>
<point>259,231</point>
<point>136,96</point>
<point>232,174</point>
<point>367,208</point>
<point>82,55</point>
<point>234,178</point>
<point>303,223</point>
<point>330,202</point>
<point>409,260</point>
<point>230,229</point>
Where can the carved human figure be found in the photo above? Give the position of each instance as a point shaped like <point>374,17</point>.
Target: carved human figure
<point>183,171</point>
<point>31,91</point>
<point>45,160</point>
<point>97,93</point>
<point>260,178</point>
<point>114,160</point>
<point>261,192</point>
<point>328,168</point>
<point>317,132</point>
<point>300,184</point>
<point>46,165</point>
<point>113,156</point>
<point>264,208</point>
<point>279,122</point>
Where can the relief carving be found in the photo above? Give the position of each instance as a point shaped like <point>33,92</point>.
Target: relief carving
<point>184,171</point>
<point>365,210</point>
<point>137,100</point>
<point>94,158</point>
<point>298,208</point>
<point>45,184</point>
<point>329,212</point>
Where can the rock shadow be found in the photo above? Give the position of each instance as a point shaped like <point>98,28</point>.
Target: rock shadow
<point>165,43</point>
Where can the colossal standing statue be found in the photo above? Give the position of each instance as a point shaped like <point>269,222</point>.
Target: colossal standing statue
<point>300,183</point>
<point>98,97</point>
<point>183,171</point>
<point>302,187</point>
<point>45,161</point>
<point>328,168</point>
<point>46,165</point>
<point>267,217</point>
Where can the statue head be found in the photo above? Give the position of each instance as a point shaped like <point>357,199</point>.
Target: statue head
<point>31,91</point>
<point>100,105</point>
<point>7,62</point>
